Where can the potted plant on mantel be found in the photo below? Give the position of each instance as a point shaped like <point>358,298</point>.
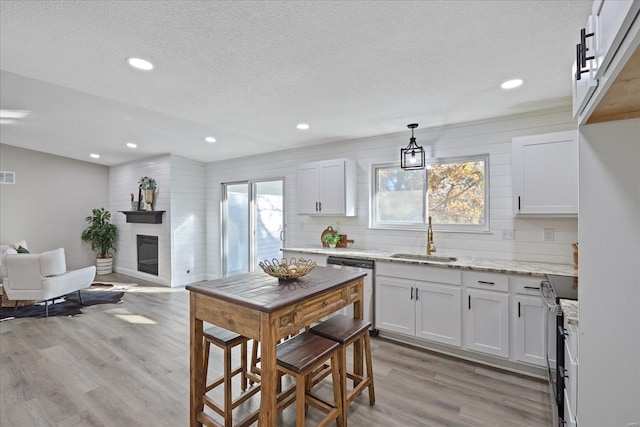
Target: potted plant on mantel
<point>149,186</point>
<point>102,236</point>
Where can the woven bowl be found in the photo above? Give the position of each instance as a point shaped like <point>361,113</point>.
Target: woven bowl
<point>287,270</point>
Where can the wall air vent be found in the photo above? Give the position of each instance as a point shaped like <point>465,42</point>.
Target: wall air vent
<point>7,177</point>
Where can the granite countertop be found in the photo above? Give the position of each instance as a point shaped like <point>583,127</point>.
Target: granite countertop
<point>525,268</point>
<point>570,309</point>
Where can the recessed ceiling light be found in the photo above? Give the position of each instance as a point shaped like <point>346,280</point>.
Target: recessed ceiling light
<point>14,114</point>
<point>140,64</point>
<point>511,84</point>
<point>210,139</point>
<point>302,126</point>
<point>95,156</point>
<point>132,145</point>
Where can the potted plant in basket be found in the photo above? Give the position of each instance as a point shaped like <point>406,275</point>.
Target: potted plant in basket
<point>331,239</point>
<point>149,186</point>
<point>102,236</point>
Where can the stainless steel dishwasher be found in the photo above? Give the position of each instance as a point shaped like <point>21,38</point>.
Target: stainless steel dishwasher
<point>368,266</point>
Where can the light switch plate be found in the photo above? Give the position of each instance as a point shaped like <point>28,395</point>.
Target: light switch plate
<point>548,234</point>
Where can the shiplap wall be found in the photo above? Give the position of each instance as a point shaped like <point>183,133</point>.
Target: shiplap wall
<point>123,180</point>
<point>187,221</point>
<point>491,137</point>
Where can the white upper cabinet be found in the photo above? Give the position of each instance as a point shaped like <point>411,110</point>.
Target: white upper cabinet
<point>584,72</point>
<point>545,174</point>
<point>327,188</point>
<point>612,19</point>
<point>604,65</point>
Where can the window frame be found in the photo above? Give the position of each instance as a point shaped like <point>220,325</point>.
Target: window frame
<point>414,226</point>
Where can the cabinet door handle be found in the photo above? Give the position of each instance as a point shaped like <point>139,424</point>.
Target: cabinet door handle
<point>412,293</point>
<point>518,308</point>
<point>469,302</point>
<point>578,63</point>
<point>316,206</point>
<point>416,294</point>
<point>583,41</point>
<point>518,202</point>
<point>537,288</point>
<point>320,206</point>
<point>483,282</point>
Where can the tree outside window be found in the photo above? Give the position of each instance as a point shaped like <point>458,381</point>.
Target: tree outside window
<point>454,192</point>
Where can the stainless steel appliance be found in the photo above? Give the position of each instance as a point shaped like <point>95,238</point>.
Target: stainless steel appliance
<point>355,264</point>
<point>552,290</point>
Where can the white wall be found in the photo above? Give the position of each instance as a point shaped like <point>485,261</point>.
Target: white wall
<point>609,292</point>
<point>181,236</point>
<point>50,200</point>
<point>187,221</point>
<point>123,180</point>
<point>490,136</point>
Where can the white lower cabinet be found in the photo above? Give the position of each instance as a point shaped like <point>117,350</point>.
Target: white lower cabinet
<point>438,313</point>
<point>495,314</point>
<point>486,322</point>
<point>528,320</point>
<point>570,374</point>
<point>408,304</point>
<point>395,308</point>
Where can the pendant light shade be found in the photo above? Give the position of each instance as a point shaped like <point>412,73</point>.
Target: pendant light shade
<point>412,156</point>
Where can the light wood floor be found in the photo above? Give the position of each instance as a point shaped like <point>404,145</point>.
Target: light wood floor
<point>128,365</point>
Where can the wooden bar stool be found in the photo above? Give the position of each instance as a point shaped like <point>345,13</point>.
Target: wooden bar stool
<point>299,357</point>
<point>346,330</point>
<point>226,340</point>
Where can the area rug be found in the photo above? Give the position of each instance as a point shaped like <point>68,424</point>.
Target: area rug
<point>115,286</point>
<point>68,305</point>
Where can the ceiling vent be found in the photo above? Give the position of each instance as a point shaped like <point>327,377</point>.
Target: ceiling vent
<point>7,177</point>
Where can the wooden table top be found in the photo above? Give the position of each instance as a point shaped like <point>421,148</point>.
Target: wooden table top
<point>259,291</point>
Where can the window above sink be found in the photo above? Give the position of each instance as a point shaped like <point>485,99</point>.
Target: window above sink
<point>453,191</point>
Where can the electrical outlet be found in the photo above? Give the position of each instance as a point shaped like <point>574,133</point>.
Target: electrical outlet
<point>507,234</point>
<point>548,234</point>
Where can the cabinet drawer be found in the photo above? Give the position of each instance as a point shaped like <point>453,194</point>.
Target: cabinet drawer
<point>419,272</point>
<point>322,305</point>
<point>494,282</point>
<point>526,285</point>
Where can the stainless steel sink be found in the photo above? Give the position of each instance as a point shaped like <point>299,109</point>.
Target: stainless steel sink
<point>425,257</point>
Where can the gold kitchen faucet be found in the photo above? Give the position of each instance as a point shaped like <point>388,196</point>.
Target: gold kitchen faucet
<point>431,247</point>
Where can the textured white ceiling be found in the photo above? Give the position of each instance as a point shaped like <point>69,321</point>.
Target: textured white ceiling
<point>247,72</point>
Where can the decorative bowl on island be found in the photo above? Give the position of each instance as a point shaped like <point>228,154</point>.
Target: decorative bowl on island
<point>287,269</point>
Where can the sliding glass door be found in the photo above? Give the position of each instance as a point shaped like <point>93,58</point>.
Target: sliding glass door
<point>252,224</point>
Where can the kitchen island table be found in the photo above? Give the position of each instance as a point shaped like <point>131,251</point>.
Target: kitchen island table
<point>262,308</point>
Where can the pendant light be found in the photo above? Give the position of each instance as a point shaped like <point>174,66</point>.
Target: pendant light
<point>412,156</point>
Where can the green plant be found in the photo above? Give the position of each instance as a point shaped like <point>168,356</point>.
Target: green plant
<point>331,237</point>
<point>100,232</point>
<point>146,183</point>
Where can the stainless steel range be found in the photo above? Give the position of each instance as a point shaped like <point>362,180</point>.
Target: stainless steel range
<point>552,290</point>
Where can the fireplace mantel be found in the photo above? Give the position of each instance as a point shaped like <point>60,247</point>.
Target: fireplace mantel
<point>144,217</point>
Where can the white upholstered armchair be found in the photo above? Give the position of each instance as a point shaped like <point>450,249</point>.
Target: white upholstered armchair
<point>42,276</point>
